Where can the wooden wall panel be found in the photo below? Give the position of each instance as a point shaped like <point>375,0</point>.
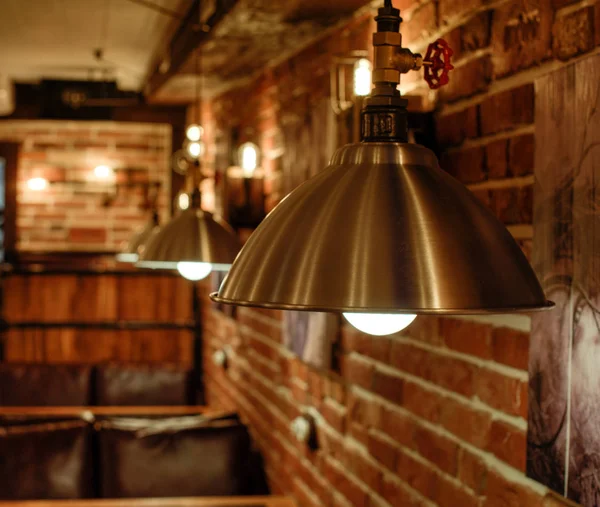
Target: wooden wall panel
<point>98,346</point>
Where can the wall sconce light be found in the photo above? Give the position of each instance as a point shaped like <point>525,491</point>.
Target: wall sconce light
<point>103,172</point>
<point>304,430</point>
<point>195,149</point>
<point>362,77</point>
<point>37,184</point>
<point>248,155</point>
<point>194,132</point>
<point>219,358</point>
<point>355,67</point>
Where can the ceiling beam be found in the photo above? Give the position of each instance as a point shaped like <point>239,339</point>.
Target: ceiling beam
<point>189,36</point>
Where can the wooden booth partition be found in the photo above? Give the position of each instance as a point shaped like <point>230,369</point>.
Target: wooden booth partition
<point>88,317</point>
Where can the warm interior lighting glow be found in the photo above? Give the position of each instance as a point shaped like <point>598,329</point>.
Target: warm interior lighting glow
<point>183,201</point>
<point>195,149</point>
<point>37,184</point>
<point>103,172</point>
<point>194,132</point>
<point>379,324</point>
<point>194,270</point>
<point>362,77</point>
<point>248,158</point>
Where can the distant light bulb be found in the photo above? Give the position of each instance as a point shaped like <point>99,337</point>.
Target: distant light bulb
<point>194,132</point>
<point>362,77</point>
<point>248,158</point>
<point>103,172</point>
<point>194,270</point>
<point>379,324</point>
<point>183,201</point>
<point>37,184</point>
<point>195,149</point>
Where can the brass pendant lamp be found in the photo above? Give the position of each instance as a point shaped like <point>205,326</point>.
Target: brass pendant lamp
<point>195,242</point>
<point>383,233</point>
<point>137,242</point>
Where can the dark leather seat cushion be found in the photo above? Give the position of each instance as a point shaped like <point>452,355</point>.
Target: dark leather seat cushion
<point>44,385</point>
<point>184,456</point>
<point>142,385</point>
<point>46,461</point>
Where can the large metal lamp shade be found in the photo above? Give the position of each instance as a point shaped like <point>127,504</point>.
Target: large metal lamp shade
<point>383,230</point>
<point>130,253</point>
<point>195,242</point>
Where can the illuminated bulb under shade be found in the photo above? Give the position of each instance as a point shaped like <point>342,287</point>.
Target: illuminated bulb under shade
<point>194,132</point>
<point>194,271</point>
<point>362,77</point>
<point>183,201</point>
<point>248,158</point>
<point>37,184</point>
<point>379,324</point>
<point>195,149</point>
<point>103,172</point>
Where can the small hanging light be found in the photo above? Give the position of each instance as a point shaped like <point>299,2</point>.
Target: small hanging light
<point>194,132</point>
<point>195,242</point>
<point>384,230</point>
<point>248,155</point>
<point>362,77</point>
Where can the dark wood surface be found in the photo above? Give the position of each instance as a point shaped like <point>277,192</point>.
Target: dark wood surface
<point>255,501</point>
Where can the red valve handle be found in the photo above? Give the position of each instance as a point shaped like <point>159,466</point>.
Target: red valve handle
<point>437,64</point>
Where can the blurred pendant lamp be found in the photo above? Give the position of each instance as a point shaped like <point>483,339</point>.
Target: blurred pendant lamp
<point>383,234</point>
<point>137,242</point>
<point>195,242</point>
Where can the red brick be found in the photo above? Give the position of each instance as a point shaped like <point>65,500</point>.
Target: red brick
<point>469,337</point>
<point>501,392</point>
<point>423,23</point>
<point>466,165</point>
<point>521,36</point>
<point>395,493</point>
<point>334,389</point>
<point>359,433</point>
<point>365,411</point>
<point>357,371</point>
<point>398,427</point>
<point>451,9</point>
<point>496,156</point>
<point>467,80</point>
<point>521,155</point>
<point>438,449</point>
<point>364,469</point>
<point>422,402</point>
<point>382,451</point>
<point>388,386</point>
<point>509,444</point>
<point>452,495</point>
<point>454,128</point>
<point>465,422</point>
<point>573,33</point>
<point>344,484</point>
<point>425,328</point>
<point>502,492</point>
<point>418,475</point>
<point>376,347</point>
<point>511,347</point>
<point>506,205</point>
<point>472,471</point>
<point>334,415</point>
<point>506,110</point>
<point>476,33</point>
<point>85,235</point>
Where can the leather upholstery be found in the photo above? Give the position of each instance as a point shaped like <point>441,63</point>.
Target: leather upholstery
<point>44,385</point>
<point>185,456</point>
<point>142,385</point>
<point>46,461</point>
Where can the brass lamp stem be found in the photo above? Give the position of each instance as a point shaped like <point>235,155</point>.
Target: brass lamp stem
<point>384,114</point>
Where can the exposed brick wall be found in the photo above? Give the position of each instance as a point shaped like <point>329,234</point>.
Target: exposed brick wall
<point>437,414</point>
<point>77,211</point>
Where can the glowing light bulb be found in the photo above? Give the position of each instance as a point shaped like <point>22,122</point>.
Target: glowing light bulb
<point>194,132</point>
<point>248,158</point>
<point>183,201</point>
<point>194,270</point>
<point>103,172</point>
<point>362,77</point>
<point>195,149</point>
<point>379,324</point>
<point>37,184</point>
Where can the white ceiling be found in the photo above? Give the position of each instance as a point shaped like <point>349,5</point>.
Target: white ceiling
<point>56,38</point>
